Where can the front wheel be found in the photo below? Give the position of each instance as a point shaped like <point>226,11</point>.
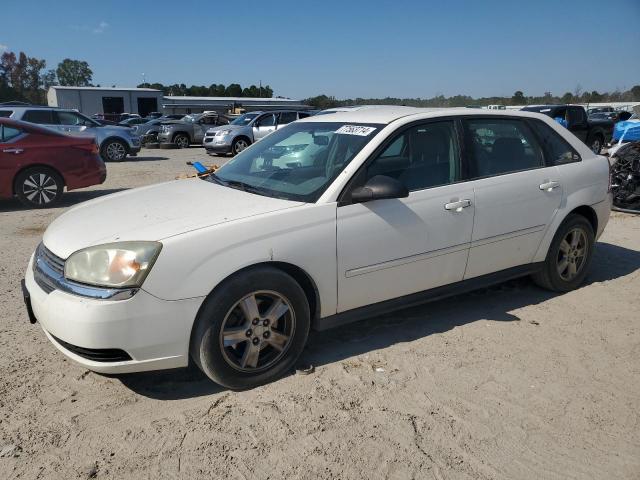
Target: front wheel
<point>596,144</point>
<point>569,256</point>
<point>251,329</point>
<point>238,145</point>
<point>181,140</point>
<point>113,151</point>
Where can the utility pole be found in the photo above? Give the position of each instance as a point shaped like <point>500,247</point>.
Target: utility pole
<point>260,94</point>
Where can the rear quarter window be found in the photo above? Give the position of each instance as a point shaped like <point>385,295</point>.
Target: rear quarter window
<point>5,113</point>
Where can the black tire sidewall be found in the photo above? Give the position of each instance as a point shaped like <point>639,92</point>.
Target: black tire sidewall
<point>181,135</point>
<point>205,345</point>
<point>557,282</point>
<point>235,142</point>
<point>22,176</point>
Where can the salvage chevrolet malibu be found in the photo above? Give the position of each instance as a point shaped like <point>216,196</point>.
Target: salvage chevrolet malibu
<point>328,220</point>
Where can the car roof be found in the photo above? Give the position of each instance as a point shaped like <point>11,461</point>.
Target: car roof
<point>388,114</point>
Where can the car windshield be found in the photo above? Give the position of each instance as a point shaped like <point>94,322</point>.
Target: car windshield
<point>297,162</point>
<point>244,119</point>
<point>191,118</point>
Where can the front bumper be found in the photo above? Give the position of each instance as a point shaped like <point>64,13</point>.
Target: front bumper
<point>215,144</point>
<point>153,332</point>
<point>165,137</point>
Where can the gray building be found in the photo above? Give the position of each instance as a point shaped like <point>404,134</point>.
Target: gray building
<point>91,100</point>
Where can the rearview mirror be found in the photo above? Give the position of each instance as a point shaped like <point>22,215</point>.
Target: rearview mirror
<point>379,187</point>
<point>321,139</point>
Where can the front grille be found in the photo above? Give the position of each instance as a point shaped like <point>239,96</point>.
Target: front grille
<point>95,354</point>
<point>47,266</point>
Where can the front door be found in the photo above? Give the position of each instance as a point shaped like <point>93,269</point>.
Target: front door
<point>263,126</point>
<point>390,248</point>
<point>516,194</point>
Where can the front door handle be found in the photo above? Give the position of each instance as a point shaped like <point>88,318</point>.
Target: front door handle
<point>457,206</point>
<point>13,150</point>
<point>548,186</point>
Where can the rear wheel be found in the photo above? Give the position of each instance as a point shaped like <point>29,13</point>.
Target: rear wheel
<point>567,262</point>
<point>39,187</point>
<point>252,329</point>
<point>181,140</point>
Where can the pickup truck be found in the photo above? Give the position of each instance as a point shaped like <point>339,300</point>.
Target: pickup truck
<point>594,132</point>
<point>190,129</point>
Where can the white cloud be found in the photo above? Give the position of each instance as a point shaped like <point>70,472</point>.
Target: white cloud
<point>102,26</point>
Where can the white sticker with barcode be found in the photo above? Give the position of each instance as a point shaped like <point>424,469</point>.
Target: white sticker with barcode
<point>355,130</point>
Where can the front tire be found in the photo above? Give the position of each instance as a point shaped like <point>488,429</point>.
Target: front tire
<point>596,144</point>
<point>181,140</point>
<point>238,145</point>
<point>39,187</point>
<point>251,329</point>
<point>569,256</point>
<point>113,151</point>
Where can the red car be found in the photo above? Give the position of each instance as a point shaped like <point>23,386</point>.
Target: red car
<point>36,163</point>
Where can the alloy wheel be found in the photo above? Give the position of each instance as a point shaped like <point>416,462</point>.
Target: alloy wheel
<point>257,331</point>
<point>116,151</point>
<point>572,254</point>
<point>182,141</point>
<point>240,145</point>
<point>40,188</point>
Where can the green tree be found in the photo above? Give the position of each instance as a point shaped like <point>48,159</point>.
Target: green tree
<point>75,73</point>
<point>233,90</point>
<point>635,93</point>
<point>566,98</point>
<point>518,98</point>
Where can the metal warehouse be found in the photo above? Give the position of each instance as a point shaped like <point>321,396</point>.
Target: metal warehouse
<point>91,100</point>
<point>98,100</point>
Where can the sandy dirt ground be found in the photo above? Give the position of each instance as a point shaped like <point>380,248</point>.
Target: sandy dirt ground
<point>510,382</point>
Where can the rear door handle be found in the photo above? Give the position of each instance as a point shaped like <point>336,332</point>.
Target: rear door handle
<point>548,186</point>
<point>458,206</point>
<point>13,150</point>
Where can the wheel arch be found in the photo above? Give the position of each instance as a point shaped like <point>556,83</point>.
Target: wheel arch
<point>32,165</point>
<point>589,213</point>
<point>180,132</point>
<point>242,135</point>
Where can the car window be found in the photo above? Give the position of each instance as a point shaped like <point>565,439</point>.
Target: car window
<point>8,133</point>
<point>499,146</point>
<point>69,118</point>
<point>42,117</point>
<point>267,121</point>
<point>287,117</point>
<point>303,115</point>
<point>5,113</point>
<point>556,148</point>
<point>576,115</point>
<point>422,156</point>
<point>209,120</point>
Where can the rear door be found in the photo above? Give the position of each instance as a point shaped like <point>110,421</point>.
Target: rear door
<point>12,157</point>
<point>516,193</point>
<point>285,118</point>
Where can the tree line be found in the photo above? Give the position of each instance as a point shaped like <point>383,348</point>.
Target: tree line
<point>579,95</point>
<point>213,90</point>
<point>24,78</point>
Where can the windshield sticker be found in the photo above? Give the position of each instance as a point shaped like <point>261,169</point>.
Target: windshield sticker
<point>355,130</point>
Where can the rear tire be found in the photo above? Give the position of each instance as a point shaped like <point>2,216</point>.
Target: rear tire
<point>569,256</point>
<point>251,329</point>
<point>39,187</point>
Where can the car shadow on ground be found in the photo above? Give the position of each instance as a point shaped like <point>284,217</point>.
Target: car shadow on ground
<point>142,158</point>
<point>494,304</point>
<point>68,199</point>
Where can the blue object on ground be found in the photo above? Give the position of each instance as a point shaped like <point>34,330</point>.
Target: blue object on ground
<point>199,167</point>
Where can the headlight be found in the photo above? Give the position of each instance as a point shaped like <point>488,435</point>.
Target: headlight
<point>222,133</point>
<point>122,264</point>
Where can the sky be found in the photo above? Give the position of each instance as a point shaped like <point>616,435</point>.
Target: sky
<point>341,48</point>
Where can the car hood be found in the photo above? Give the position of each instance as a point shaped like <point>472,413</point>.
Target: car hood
<point>154,213</point>
<point>233,128</point>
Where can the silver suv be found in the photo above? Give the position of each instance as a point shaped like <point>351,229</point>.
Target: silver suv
<point>190,129</point>
<point>247,129</point>
<point>115,142</point>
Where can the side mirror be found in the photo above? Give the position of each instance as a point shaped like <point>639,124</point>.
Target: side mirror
<point>379,187</point>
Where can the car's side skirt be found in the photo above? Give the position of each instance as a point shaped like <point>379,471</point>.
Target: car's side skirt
<point>426,296</point>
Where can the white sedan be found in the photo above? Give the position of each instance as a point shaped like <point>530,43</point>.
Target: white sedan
<point>326,221</point>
